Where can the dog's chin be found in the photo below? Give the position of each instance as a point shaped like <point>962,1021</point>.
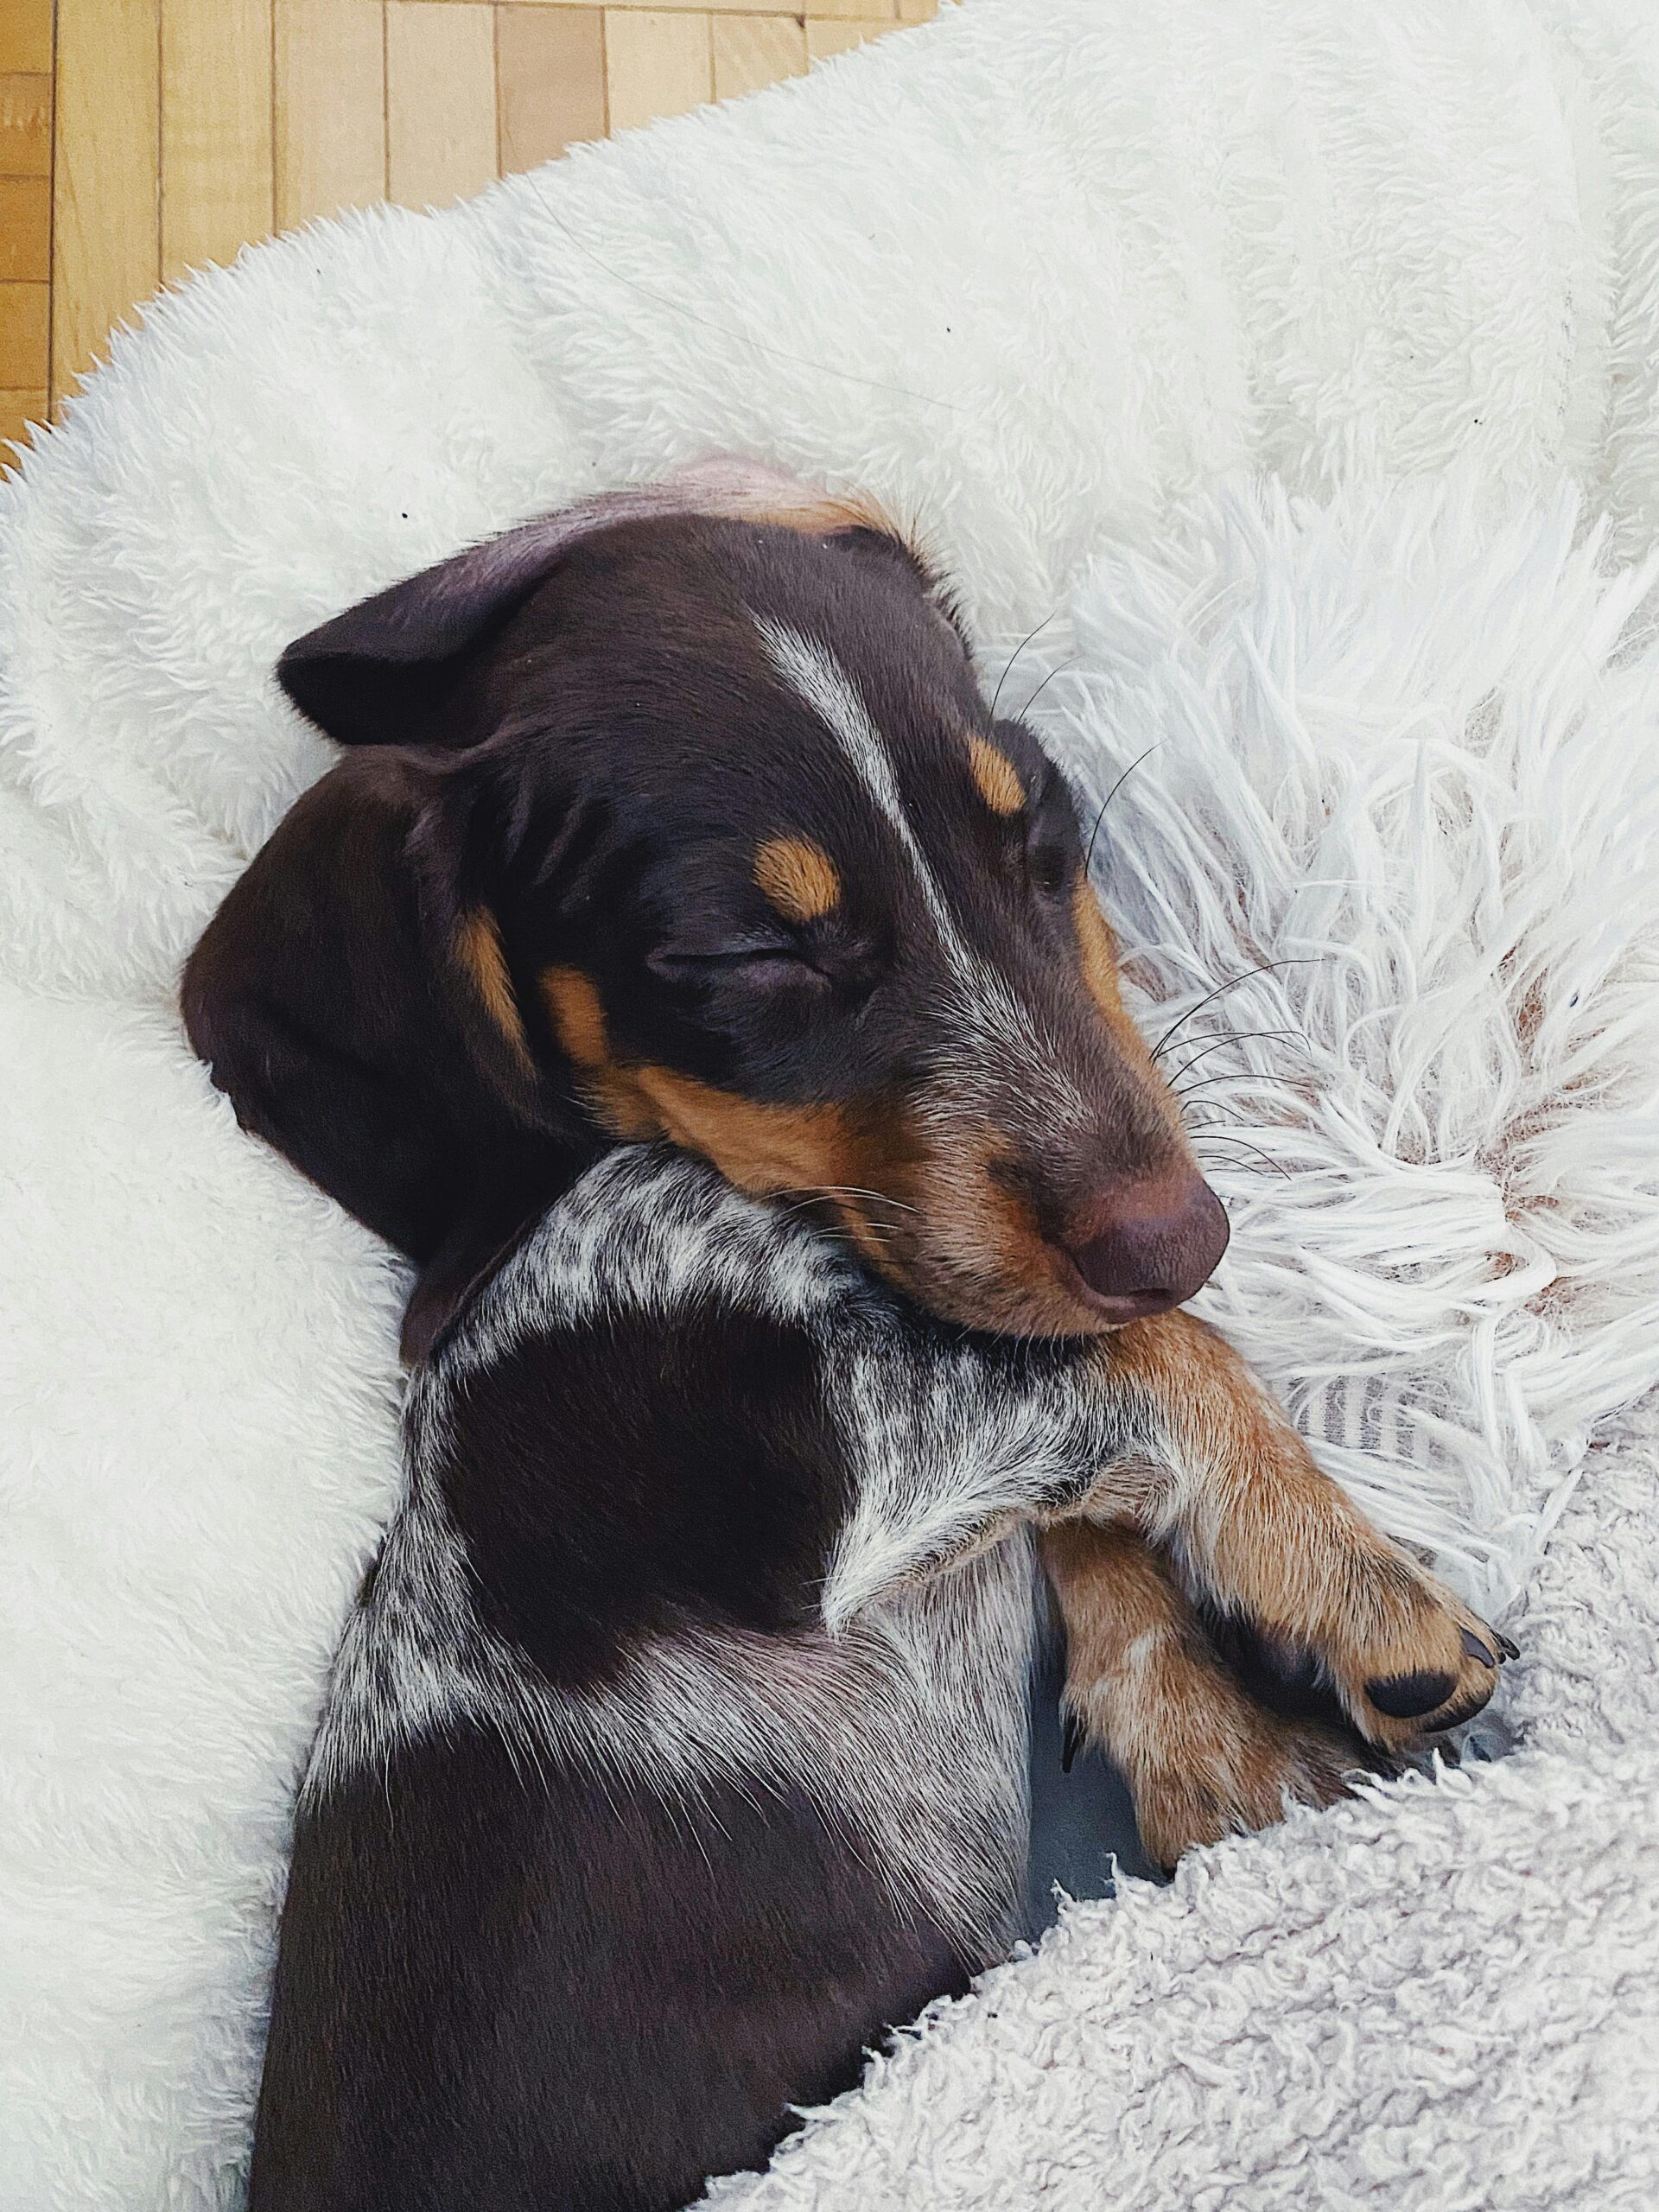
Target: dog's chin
<point>1036,1294</point>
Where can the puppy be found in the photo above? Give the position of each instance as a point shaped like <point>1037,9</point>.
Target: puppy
<point>675,1744</point>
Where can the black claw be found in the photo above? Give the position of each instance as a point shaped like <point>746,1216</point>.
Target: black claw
<point>1070,1740</point>
<point>1509,1650</point>
<point>1476,1649</point>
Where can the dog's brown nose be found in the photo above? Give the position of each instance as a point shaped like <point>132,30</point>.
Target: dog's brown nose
<point>1150,1245</point>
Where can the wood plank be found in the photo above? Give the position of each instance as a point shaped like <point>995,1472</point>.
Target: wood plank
<point>24,326</point>
<point>888,10</point>
<point>18,410</point>
<point>824,39</point>
<point>655,64</point>
<point>440,124</point>
<point>26,127</point>
<point>26,36</point>
<point>751,51</point>
<point>216,130</point>
<point>331,107</point>
<point>701,7</point>
<point>549,70</point>
<point>105,223</point>
<point>25,229</point>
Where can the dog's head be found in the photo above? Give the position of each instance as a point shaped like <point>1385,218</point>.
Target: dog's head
<point>694,824</point>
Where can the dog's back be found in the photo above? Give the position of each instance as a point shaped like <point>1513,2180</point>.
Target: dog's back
<point>618,1839</point>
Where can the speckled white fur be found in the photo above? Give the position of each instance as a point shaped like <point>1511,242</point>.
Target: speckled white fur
<point>901,1717</point>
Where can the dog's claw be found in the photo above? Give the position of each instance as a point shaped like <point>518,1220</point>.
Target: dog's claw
<point>1509,1649</point>
<point>1476,1649</point>
<point>1071,1740</point>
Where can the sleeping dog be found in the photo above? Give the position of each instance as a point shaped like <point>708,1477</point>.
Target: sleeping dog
<point>687,971</point>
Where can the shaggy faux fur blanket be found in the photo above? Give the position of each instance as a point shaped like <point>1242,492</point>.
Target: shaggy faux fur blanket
<point>1131,313</point>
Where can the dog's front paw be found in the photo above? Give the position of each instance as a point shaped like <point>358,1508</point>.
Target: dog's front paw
<point>1204,1760</point>
<point>1246,1780</point>
<point>1406,1658</point>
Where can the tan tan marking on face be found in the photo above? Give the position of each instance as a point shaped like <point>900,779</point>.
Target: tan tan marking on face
<point>797,877</point>
<point>478,950</point>
<point>927,1211</point>
<point>1098,951</point>
<point>577,1016</point>
<point>996,776</point>
<point>984,1261</point>
<point>761,1148</point>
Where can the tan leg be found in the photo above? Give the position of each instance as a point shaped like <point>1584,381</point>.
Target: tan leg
<point>1202,1758</point>
<point>1210,1470</point>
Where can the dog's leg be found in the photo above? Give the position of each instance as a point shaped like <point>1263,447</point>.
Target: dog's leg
<point>1202,1757</point>
<point>1207,1468</point>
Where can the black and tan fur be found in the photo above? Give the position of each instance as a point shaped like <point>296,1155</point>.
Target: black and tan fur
<point>675,1746</point>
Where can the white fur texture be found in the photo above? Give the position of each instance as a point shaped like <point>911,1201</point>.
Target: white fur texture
<point>1036,275</point>
<point>1389,885</point>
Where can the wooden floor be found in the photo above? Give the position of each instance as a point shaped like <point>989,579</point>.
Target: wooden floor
<point>139,138</point>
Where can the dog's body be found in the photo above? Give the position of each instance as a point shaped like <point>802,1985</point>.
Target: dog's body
<point>657,1776</point>
<point>674,1747</point>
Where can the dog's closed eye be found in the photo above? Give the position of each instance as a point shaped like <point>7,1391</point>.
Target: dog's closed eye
<point>835,975</point>
<point>762,966</point>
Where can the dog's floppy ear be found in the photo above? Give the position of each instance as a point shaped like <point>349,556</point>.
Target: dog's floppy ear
<point>353,995</point>
<point>354,998</point>
<point>382,672</point>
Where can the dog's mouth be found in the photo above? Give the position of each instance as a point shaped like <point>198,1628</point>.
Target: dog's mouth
<point>1143,1250</point>
<point>976,1227</point>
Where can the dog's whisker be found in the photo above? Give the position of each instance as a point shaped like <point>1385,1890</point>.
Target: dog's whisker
<point>1013,659</point>
<point>1231,984</point>
<point>1089,855</point>
<point>1207,1136</point>
<point>1243,1077</point>
<point>1230,1037</point>
<point>808,1191</point>
<point>1057,670</point>
<point>876,1232</point>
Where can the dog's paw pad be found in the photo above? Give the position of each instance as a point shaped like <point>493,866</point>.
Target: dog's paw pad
<point>1408,1697</point>
<point>1423,1663</point>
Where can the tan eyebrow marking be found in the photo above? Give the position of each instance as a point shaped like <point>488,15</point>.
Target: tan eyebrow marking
<point>799,877</point>
<point>478,949</point>
<point>996,777</point>
<point>578,1017</point>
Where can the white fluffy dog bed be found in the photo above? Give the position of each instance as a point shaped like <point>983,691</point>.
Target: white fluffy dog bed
<point>1042,277</point>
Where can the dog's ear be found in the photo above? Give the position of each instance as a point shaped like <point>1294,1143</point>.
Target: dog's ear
<point>353,994</point>
<point>383,672</point>
<point>354,1000</point>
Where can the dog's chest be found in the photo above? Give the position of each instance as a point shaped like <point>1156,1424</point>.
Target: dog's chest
<point>893,1707</point>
